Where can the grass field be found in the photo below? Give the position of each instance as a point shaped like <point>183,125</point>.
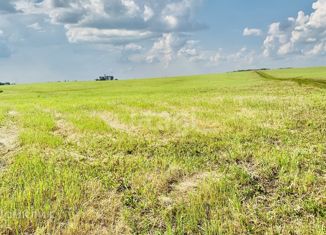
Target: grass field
<point>234,153</point>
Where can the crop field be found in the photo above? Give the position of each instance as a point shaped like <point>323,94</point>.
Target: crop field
<point>233,153</point>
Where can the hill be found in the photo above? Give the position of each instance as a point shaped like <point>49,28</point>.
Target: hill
<point>234,153</point>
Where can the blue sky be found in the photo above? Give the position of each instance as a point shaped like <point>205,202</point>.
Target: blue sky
<point>52,40</point>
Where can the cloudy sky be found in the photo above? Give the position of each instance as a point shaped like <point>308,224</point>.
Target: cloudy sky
<point>51,40</point>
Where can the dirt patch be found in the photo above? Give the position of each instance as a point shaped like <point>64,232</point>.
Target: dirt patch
<point>181,189</point>
<point>113,122</point>
<point>8,140</point>
<point>8,144</point>
<point>66,130</point>
<point>63,128</point>
<point>13,113</point>
<point>262,186</point>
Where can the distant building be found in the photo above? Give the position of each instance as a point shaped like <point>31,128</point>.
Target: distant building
<point>105,78</point>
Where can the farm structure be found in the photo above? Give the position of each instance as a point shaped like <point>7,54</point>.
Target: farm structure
<point>5,83</point>
<point>105,78</point>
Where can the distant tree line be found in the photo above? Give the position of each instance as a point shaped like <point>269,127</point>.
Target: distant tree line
<point>261,69</point>
<point>248,70</point>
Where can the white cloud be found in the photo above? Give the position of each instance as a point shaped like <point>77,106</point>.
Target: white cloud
<point>251,32</point>
<point>132,52</point>
<point>132,7</point>
<point>142,30</point>
<point>193,53</point>
<point>164,49</point>
<point>304,35</point>
<point>148,13</point>
<point>276,37</point>
<point>95,20</point>
<point>217,58</point>
<point>317,49</point>
<point>111,36</point>
<point>133,47</point>
<point>171,21</point>
<point>189,49</point>
<point>36,26</point>
<point>244,56</point>
<point>212,58</point>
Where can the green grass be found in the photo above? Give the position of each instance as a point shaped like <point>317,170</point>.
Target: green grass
<point>234,153</point>
<point>313,72</point>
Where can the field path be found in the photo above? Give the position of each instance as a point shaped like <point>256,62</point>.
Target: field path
<point>321,83</point>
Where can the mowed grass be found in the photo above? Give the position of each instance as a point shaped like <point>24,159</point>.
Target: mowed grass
<point>232,153</point>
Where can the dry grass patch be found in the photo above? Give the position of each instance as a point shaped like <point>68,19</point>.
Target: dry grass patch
<point>164,115</point>
<point>8,143</point>
<point>100,215</point>
<point>179,190</point>
<point>13,113</point>
<point>112,121</point>
<point>66,130</point>
<point>8,139</point>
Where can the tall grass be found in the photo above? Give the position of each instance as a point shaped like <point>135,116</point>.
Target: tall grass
<point>233,153</point>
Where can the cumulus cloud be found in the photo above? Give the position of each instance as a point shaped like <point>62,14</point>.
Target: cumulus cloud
<point>194,53</point>
<point>164,49</point>
<point>251,32</point>
<point>148,13</point>
<point>116,21</point>
<point>304,35</point>
<point>148,31</point>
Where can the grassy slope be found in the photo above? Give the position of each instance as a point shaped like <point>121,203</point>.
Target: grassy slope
<point>313,72</point>
<point>231,153</point>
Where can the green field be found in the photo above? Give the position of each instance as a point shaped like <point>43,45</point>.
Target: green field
<point>233,153</point>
